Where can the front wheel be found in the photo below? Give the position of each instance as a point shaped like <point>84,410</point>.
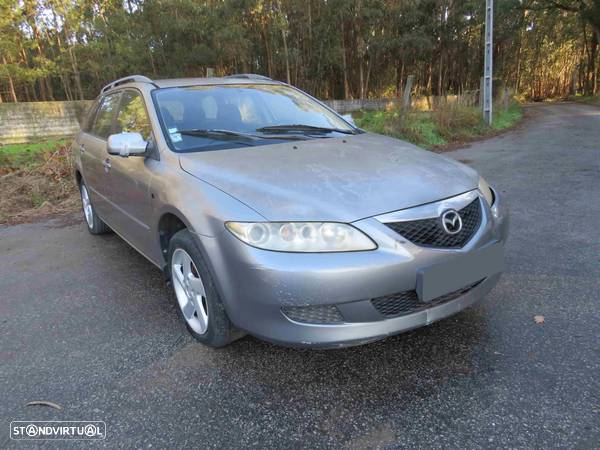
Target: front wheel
<point>95,225</point>
<point>199,303</point>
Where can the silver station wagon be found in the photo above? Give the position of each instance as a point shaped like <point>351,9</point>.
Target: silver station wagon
<point>273,215</point>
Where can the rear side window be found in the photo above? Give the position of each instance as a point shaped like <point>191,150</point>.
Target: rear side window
<point>132,116</point>
<point>103,124</point>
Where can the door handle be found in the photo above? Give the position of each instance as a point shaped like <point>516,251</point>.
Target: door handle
<point>81,148</point>
<point>106,164</point>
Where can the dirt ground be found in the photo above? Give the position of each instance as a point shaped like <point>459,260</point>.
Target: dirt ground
<point>42,187</point>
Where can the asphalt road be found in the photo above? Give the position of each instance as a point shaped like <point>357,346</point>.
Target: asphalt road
<point>86,322</point>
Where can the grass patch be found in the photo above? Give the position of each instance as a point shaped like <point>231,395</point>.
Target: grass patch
<point>413,126</point>
<point>36,180</point>
<point>19,155</point>
<point>33,147</point>
<point>588,99</point>
<point>447,124</point>
<point>504,119</point>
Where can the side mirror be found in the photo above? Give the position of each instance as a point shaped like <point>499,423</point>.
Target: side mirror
<point>126,144</point>
<point>348,118</point>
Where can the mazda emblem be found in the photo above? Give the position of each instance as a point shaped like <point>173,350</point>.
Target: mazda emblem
<point>451,222</point>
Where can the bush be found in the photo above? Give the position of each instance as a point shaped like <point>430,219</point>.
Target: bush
<point>457,122</point>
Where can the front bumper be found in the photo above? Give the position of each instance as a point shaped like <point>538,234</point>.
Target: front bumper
<point>256,285</point>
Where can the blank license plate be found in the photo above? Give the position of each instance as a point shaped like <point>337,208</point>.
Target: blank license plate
<point>440,279</point>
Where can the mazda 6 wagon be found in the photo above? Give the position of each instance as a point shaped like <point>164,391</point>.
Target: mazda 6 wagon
<point>273,215</point>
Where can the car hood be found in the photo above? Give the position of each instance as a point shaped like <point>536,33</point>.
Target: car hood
<point>331,179</point>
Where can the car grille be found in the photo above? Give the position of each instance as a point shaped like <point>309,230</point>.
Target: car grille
<point>429,232</point>
<point>313,314</point>
<point>407,302</point>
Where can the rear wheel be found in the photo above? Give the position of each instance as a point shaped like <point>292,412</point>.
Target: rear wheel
<point>199,303</point>
<point>95,225</point>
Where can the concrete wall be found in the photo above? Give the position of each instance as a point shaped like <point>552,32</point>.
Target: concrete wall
<point>349,106</point>
<point>36,121</point>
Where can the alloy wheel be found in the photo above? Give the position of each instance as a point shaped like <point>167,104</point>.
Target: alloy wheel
<point>189,291</point>
<point>87,207</point>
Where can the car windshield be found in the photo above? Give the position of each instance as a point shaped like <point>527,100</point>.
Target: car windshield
<point>213,117</point>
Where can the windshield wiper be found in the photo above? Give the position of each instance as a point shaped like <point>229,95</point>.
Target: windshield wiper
<point>214,133</point>
<point>229,134</point>
<point>302,127</point>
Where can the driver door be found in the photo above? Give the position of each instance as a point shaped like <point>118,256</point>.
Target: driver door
<point>129,179</point>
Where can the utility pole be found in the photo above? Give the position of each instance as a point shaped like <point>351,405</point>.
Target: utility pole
<point>489,53</point>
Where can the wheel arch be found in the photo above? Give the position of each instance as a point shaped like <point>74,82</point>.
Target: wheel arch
<point>169,223</point>
<point>78,177</point>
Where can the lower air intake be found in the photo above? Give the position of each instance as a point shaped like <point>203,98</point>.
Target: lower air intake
<point>322,314</point>
<point>407,302</point>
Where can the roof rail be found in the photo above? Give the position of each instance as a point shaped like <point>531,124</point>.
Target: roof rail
<point>124,80</point>
<point>249,76</point>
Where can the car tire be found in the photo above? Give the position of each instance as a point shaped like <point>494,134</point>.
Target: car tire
<point>95,224</point>
<point>196,296</point>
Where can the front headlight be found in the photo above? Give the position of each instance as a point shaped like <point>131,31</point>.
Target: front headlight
<point>308,237</point>
<point>485,189</point>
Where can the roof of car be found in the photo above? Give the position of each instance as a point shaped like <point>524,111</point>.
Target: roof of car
<point>176,82</point>
<point>243,78</point>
